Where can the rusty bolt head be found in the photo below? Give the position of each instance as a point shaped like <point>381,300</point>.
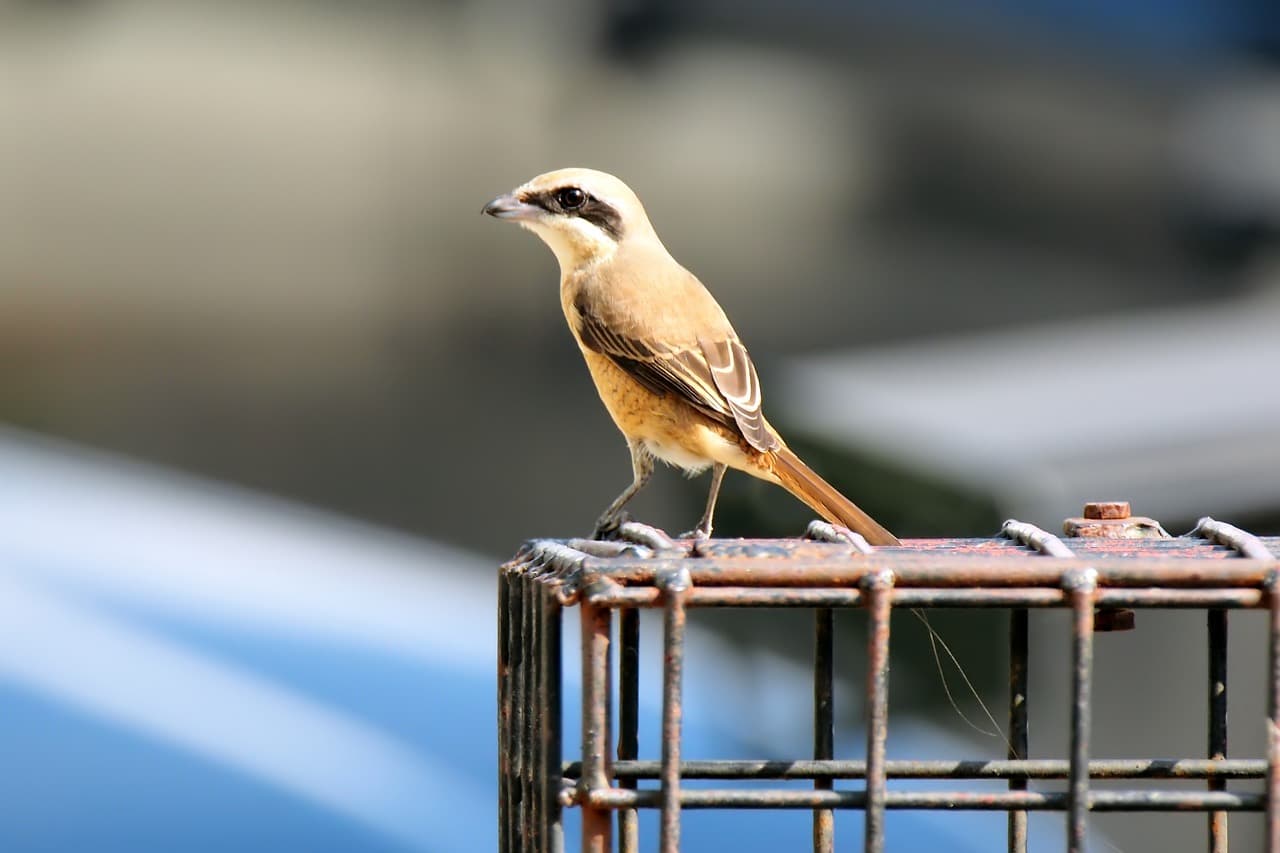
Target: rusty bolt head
<point>1106,509</point>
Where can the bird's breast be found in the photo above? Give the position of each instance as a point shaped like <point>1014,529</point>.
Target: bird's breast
<point>666,426</point>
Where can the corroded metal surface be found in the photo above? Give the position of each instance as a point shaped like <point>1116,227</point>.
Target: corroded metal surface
<point>1081,584</point>
<point>1216,569</point>
<point>824,820</point>
<point>674,588</point>
<point>1114,801</point>
<point>1019,742</point>
<point>628,719</point>
<point>1150,768</point>
<point>880,603</point>
<point>1112,520</point>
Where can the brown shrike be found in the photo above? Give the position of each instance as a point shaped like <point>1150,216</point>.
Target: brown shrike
<point>668,366</point>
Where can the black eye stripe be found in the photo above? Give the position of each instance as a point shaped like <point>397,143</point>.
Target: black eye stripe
<point>602,216</point>
<point>599,213</point>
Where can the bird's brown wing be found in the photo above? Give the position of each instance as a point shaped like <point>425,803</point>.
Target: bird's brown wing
<point>735,378</point>
<point>715,377</point>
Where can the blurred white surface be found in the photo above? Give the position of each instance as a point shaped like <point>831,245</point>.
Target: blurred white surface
<point>1176,411</point>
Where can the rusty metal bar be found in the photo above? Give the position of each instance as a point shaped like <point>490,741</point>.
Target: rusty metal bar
<point>737,596</point>
<point>530,798</point>
<point>1217,628</point>
<point>536,762</point>
<point>824,823</point>
<point>990,770</point>
<point>628,718</point>
<point>879,605</point>
<point>633,562</point>
<point>1181,546</point>
<point>1018,740</point>
<point>1273,715</point>
<point>552,721</point>
<point>1051,546</point>
<point>1081,585</point>
<point>674,586</point>
<point>1249,546</point>
<point>506,647</point>
<point>824,733</point>
<point>1183,598</point>
<point>520,706</point>
<point>1110,801</point>
<point>924,569</point>
<point>597,625</point>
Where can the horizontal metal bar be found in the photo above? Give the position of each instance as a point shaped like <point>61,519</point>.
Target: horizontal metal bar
<point>732,596</point>
<point>1151,768</point>
<point>1176,801</point>
<point>925,569</point>
<point>1182,598</point>
<point>566,556</point>
<point>738,596</point>
<point>1111,801</point>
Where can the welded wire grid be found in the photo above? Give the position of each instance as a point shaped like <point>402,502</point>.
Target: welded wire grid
<point>1218,568</point>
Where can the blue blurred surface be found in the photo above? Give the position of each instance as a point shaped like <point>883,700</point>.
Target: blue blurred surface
<point>187,667</point>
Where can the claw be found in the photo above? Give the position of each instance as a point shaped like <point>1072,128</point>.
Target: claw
<point>608,525</point>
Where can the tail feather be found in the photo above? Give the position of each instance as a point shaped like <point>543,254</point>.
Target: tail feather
<point>820,496</point>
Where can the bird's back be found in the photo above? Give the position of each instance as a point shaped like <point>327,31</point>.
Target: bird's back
<point>643,293</point>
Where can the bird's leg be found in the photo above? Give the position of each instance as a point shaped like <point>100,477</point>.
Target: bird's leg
<point>703,530</point>
<point>641,469</point>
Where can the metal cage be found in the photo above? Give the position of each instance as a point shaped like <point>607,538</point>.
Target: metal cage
<point>1121,564</point>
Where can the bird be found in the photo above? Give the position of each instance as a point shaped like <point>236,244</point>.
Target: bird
<point>667,364</point>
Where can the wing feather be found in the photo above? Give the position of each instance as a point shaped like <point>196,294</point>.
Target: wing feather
<point>735,378</point>
<point>715,377</point>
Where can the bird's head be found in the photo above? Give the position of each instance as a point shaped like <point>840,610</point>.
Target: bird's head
<point>582,214</point>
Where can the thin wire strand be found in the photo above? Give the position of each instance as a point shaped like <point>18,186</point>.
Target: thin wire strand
<point>935,640</point>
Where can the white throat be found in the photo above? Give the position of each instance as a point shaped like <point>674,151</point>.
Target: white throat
<point>575,242</point>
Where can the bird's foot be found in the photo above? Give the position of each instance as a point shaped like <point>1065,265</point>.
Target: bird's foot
<point>698,534</point>
<point>607,526</point>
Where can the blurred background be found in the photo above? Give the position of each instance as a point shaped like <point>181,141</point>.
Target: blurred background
<point>990,261</point>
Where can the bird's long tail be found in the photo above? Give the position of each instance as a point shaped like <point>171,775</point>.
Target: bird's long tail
<point>820,496</point>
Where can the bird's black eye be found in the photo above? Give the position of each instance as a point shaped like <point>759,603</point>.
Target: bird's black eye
<point>571,198</point>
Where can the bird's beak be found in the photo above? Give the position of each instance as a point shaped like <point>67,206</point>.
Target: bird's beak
<point>510,207</point>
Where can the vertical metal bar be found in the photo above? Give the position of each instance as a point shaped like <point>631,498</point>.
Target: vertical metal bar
<point>505,838</point>
<point>1217,720</point>
<point>628,718</point>
<point>597,825</point>
<point>552,720</point>
<point>824,826</point>
<point>1273,718</point>
<point>674,585</point>
<point>1081,585</point>
<point>519,707</point>
<point>1018,746</point>
<point>1247,545</point>
<point>1051,546</point>
<point>879,604</point>
<point>529,720</point>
